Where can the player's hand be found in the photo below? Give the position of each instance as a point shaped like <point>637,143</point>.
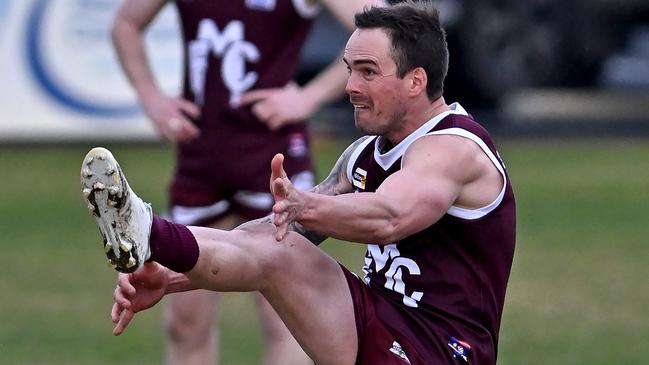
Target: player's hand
<point>171,117</point>
<point>278,107</point>
<point>136,292</point>
<point>288,199</point>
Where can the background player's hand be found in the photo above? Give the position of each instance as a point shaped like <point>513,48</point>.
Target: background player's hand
<point>136,292</point>
<point>288,199</point>
<point>171,117</point>
<point>278,107</point>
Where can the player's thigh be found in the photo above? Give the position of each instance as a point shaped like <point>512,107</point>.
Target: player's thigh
<point>310,293</point>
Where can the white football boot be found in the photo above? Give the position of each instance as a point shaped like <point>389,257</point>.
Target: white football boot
<point>124,220</point>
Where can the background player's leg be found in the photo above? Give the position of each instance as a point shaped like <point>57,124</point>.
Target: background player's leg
<point>190,320</point>
<point>280,347</point>
<point>306,287</point>
<point>191,334</point>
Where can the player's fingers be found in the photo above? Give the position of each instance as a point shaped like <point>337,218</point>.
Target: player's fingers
<point>279,189</point>
<point>254,96</point>
<point>189,108</point>
<point>123,322</point>
<point>116,312</point>
<point>188,132</point>
<point>281,232</point>
<point>275,122</point>
<point>121,299</point>
<point>125,284</point>
<point>279,219</point>
<point>277,166</point>
<point>263,112</point>
<point>280,207</point>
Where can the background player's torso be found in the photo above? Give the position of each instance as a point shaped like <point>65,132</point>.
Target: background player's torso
<point>235,46</point>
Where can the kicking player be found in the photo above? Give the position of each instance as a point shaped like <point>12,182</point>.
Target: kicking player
<point>426,191</point>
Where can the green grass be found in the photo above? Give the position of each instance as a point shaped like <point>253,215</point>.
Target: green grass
<point>578,293</point>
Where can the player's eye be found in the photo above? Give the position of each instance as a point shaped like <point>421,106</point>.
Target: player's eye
<point>368,72</point>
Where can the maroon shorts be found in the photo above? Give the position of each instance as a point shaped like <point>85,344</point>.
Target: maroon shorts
<point>227,170</point>
<point>388,336</point>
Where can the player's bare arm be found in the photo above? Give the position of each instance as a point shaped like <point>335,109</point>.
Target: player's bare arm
<point>169,114</point>
<point>436,173</point>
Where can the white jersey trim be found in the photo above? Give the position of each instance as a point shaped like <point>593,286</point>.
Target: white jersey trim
<point>306,8</point>
<point>256,200</point>
<point>479,212</point>
<point>191,215</point>
<point>354,156</point>
<point>386,160</point>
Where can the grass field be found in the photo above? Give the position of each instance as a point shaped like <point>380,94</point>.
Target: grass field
<point>578,294</point>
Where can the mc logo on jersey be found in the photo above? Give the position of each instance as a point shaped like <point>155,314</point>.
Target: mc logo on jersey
<point>378,258</point>
<point>230,45</point>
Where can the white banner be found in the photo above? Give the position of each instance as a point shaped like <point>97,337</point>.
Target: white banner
<point>59,76</point>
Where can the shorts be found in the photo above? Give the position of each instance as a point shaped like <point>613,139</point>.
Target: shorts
<point>227,170</point>
<point>387,335</point>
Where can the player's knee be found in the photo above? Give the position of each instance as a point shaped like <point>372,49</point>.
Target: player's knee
<point>287,258</point>
<point>186,327</point>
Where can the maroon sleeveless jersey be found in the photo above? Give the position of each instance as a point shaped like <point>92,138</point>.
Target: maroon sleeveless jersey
<point>235,46</point>
<point>232,47</point>
<point>448,281</point>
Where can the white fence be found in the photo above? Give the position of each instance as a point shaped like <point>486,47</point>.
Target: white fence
<point>59,76</point>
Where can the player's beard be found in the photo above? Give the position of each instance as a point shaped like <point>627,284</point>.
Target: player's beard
<point>374,122</point>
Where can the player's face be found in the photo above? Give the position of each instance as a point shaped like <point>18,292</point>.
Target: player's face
<point>375,91</point>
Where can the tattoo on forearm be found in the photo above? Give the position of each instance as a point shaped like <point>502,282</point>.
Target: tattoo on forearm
<point>335,184</point>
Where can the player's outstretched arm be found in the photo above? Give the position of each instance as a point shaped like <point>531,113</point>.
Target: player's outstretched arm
<point>434,173</point>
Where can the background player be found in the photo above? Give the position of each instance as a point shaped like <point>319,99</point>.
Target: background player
<point>238,108</point>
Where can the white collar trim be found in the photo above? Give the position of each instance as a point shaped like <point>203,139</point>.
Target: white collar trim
<point>386,160</point>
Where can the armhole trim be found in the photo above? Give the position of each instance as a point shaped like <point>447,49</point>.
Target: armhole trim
<point>472,214</point>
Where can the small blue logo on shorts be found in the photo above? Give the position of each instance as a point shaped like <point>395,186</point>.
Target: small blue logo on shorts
<point>459,348</point>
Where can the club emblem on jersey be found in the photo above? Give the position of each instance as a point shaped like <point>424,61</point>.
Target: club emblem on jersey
<point>297,145</point>
<point>398,350</point>
<point>360,177</point>
<point>459,348</point>
<point>266,5</point>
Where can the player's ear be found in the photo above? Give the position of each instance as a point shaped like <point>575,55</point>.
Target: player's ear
<point>418,80</point>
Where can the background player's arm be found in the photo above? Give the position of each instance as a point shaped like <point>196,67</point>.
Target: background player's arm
<point>170,114</point>
<point>292,103</point>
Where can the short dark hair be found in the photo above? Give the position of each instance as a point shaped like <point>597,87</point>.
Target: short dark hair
<point>416,36</point>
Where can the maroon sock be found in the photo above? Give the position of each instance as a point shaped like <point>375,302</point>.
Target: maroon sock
<point>173,245</point>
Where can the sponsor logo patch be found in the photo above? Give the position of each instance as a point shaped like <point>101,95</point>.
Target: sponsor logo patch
<point>460,348</point>
<point>397,350</point>
<point>297,145</point>
<point>360,177</point>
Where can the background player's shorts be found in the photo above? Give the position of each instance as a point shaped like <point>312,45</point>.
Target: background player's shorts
<point>383,337</point>
<point>227,170</point>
